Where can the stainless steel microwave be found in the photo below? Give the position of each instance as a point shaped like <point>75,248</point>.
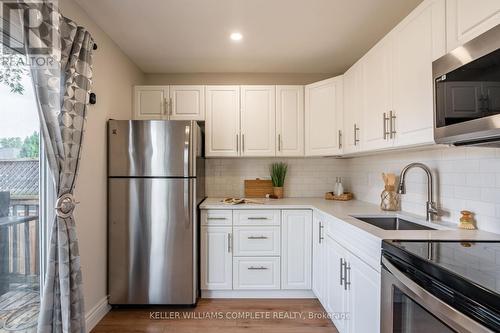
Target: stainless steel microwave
<point>467,93</point>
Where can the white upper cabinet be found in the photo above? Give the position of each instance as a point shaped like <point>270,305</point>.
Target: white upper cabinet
<point>151,102</point>
<point>418,40</point>
<point>258,120</point>
<point>187,102</point>
<point>467,19</point>
<point>296,249</point>
<point>377,96</point>
<point>323,117</point>
<point>222,121</point>
<point>353,109</point>
<point>289,121</point>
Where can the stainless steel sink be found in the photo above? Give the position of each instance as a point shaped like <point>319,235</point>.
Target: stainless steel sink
<point>393,223</point>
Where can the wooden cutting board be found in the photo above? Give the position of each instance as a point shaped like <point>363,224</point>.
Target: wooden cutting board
<point>258,188</point>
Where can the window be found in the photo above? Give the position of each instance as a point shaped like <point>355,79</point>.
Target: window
<point>21,221</point>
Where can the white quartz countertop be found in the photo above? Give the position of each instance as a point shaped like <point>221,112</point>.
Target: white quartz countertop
<point>345,210</point>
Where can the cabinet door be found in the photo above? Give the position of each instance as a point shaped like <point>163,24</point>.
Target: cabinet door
<point>323,117</point>
<point>353,108</point>
<point>466,19</point>
<point>377,97</point>
<point>418,40</point>
<point>258,120</point>
<point>289,121</point>
<point>319,259</point>
<point>216,258</point>
<point>296,249</point>
<point>337,292</point>
<point>364,296</point>
<point>222,121</point>
<point>151,102</point>
<point>187,102</point>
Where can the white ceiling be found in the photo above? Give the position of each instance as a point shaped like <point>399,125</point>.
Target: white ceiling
<point>280,36</point>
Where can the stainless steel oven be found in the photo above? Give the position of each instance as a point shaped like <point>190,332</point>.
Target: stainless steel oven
<point>467,93</point>
<point>421,297</point>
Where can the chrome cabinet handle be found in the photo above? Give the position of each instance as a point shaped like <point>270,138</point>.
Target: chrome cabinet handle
<point>165,105</point>
<point>243,143</point>
<point>257,237</point>
<point>392,123</point>
<point>341,271</point>
<point>320,232</point>
<point>340,139</point>
<point>257,218</point>
<point>237,143</point>
<point>347,276</point>
<point>279,142</point>
<point>216,218</point>
<point>170,106</point>
<point>229,241</point>
<point>385,120</point>
<point>356,140</point>
<point>257,268</point>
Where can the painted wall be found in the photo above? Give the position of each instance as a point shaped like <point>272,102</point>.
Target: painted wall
<point>234,78</point>
<point>114,75</point>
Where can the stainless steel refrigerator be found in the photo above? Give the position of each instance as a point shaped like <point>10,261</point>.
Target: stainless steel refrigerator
<point>155,183</point>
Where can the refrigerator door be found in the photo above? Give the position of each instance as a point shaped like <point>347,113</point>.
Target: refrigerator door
<point>153,148</point>
<point>152,248</point>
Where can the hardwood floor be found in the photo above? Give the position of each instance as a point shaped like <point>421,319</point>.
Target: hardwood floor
<point>221,316</point>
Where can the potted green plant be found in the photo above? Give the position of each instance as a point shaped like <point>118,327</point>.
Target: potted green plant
<point>278,174</point>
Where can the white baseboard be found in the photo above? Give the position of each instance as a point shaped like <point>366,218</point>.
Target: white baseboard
<point>257,294</point>
<point>94,315</point>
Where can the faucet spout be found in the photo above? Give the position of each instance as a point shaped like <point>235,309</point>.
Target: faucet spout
<point>431,207</point>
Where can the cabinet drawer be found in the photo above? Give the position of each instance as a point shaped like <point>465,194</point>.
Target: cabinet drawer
<point>256,241</point>
<point>256,273</point>
<point>216,217</point>
<point>256,217</point>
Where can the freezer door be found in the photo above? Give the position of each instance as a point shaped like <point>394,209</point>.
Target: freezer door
<point>152,249</point>
<point>153,148</point>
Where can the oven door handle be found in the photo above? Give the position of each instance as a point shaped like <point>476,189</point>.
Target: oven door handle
<point>452,317</point>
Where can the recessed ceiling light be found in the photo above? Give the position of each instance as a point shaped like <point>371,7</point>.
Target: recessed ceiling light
<point>236,36</point>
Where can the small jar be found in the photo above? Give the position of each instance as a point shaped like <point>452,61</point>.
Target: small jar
<point>389,199</point>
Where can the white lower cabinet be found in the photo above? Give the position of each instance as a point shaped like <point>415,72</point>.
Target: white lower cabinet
<point>256,273</point>
<point>216,258</point>
<point>256,241</point>
<point>352,291</point>
<point>364,296</point>
<point>252,250</point>
<point>296,249</point>
<point>319,259</point>
<point>293,253</point>
<point>337,300</point>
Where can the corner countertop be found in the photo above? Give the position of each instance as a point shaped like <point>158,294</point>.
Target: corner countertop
<point>344,211</point>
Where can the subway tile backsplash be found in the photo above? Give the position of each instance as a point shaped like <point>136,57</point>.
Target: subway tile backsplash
<point>306,177</point>
<point>466,178</point>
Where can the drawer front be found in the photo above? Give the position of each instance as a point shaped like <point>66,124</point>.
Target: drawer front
<point>256,241</point>
<point>214,217</point>
<point>257,217</point>
<point>256,273</point>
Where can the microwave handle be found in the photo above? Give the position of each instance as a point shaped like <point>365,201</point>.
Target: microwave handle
<point>450,316</point>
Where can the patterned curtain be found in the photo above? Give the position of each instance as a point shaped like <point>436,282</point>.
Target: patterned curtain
<point>62,87</point>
